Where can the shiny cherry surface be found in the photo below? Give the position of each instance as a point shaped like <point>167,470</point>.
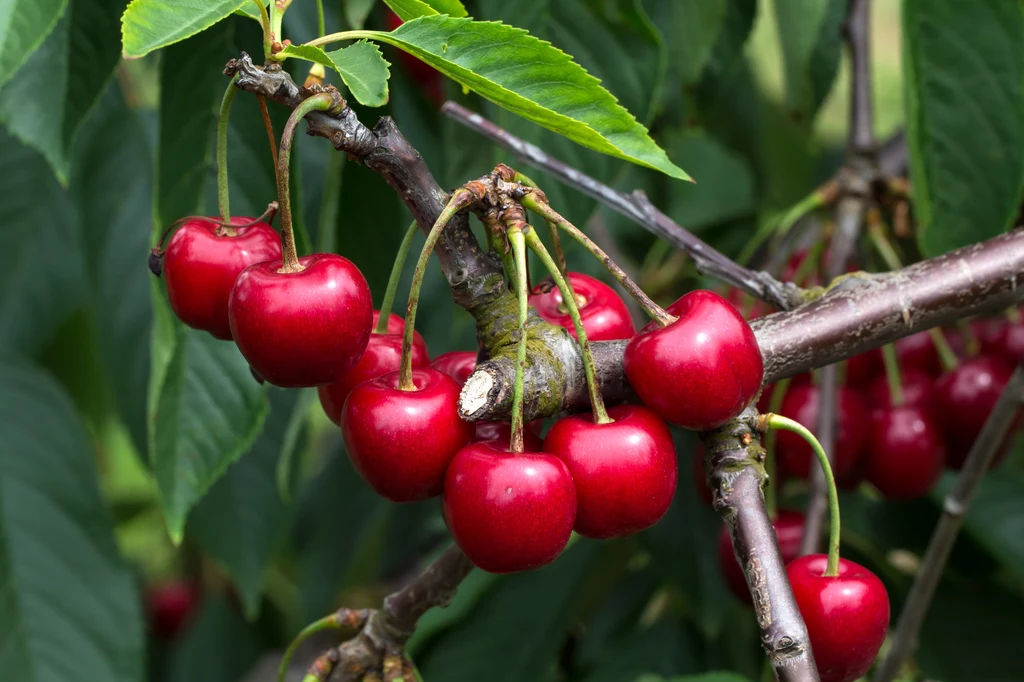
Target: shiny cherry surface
<point>906,454</point>
<point>964,398</point>
<point>605,316</point>
<point>396,325</point>
<point>458,364</point>
<point>789,530</point>
<point>801,404</point>
<point>501,432</point>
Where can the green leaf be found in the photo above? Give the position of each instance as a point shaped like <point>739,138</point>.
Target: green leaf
<point>411,9</point>
<point>725,183</point>
<point>965,108</point>
<point>727,53</point>
<point>68,604</point>
<point>694,28</point>
<point>533,79</point>
<point>218,646</point>
<point>809,31</point>
<point>249,9</point>
<point>356,11</point>
<point>241,521</point>
<point>24,24</point>
<point>148,25</point>
<point>664,648</point>
<point>361,65</point>
<point>703,677</point>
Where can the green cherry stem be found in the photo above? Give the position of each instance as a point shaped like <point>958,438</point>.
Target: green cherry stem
<point>776,421</point>
<point>460,199</point>
<point>321,25</point>
<point>947,358</point>
<point>223,191</point>
<point>569,298</point>
<point>774,405</point>
<point>331,622</point>
<point>394,279</point>
<point>516,237</point>
<point>893,376</point>
<point>541,208</point>
<point>321,102</point>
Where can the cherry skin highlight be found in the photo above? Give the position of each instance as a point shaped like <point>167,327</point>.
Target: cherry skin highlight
<point>509,512</point>
<point>625,471</point>
<point>699,371</point>
<point>906,454</point>
<point>401,442</point>
<point>801,404</point>
<point>458,364</point>
<point>383,355</point>
<point>605,316</point>
<point>847,616</point>
<point>789,529</point>
<point>303,328</point>
<point>201,265</point>
<point>501,432</point>
<point>964,398</point>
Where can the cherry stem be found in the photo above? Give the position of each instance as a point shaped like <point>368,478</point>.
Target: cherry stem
<point>569,299</point>
<point>223,191</point>
<point>971,344</point>
<point>774,405</point>
<point>947,358</point>
<point>808,264</point>
<point>776,421</point>
<point>817,199</point>
<point>319,102</point>
<point>515,236</point>
<point>269,125</point>
<point>321,25</point>
<point>556,238</point>
<point>458,201</point>
<point>1013,315</point>
<point>893,375</point>
<point>331,622</point>
<point>394,279</point>
<point>265,24</point>
<point>655,311</point>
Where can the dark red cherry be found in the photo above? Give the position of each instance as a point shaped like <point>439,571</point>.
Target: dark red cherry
<point>863,369</point>
<point>509,512</point>
<point>906,454</point>
<point>401,442</point>
<point>202,262</point>
<point>502,433</point>
<point>605,316</point>
<point>699,371</point>
<point>169,607</point>
<point>801,404</point>
<point>1003,339</point>
<point>625,471</point>
<point>396,325</point>
<point>964,398</point>
<point>917,386</point>
<point>789,530</point>
<point>458,364</point>
<point>847,615</point>
<point>383,355</point>
<point>304,328</point>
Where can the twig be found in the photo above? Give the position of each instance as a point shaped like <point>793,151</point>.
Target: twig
<point>637,207</point>
<point>857,32</point>
<point>954,509</point>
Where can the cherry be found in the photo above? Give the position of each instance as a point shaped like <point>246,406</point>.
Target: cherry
<point>801,404</point>
<point>1004,339</point>
<point>789,530</point>
<point>847,615</point>
<point>169,607</point>
<point>507,511</point>
<point>401,442</point>
<point>201,264</point>
<point>964,398</point>
<point>862,369</point>
<point>605,316</point>
<point>396,325</point>
<point>383,354</point>
<point>917,391</point>
<point>502,432</point>
<point>458,364</point>
<point>428,79</point>
<point>906,455</point>
<point>304,328</point>
<point>625,471</point>
<point>699,371</point>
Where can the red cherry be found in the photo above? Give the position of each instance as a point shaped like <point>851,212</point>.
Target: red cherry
<point>509,512</point>
<point>789,530</point>
<point>699,371</point>
<point>847,615</point>
<point>906,455</point>
<point>862,369</point>
<point>383,355</point>
<point>964,398</point>
<point>303,328</point>
<point>401,442</point>
<point>201,266</point>
<point>625,471</point>
<point>801,404</point>
<point>1004,339</point>
<point>501,432</point>
<point>765,401</point>
<point>917,391</point>
<point>169,607</point>
<point>604,315</point>
<point>458,364</point>
<point>396,325</point>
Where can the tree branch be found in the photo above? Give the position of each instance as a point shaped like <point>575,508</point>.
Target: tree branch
<point>954,509</point>
<point>857,32</point>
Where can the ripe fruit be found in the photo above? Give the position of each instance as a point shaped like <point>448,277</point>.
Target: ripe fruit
<point>396,325</point>
<point>846,615</point>
<point>862,369</point>
<point>917,391</point>
<point>605,316</point>
<point>801,404</point>
<point>383,354</point>
<point>303,328</point>
<point>789,529</point>
<point>201,264</point>
<point>502,433</point>
<point>906,454</point>
<point>1003,339</point>
<point>457,364</point>
<point>917,351</point>
<point>625,471</point>
<point>699,371</point>
<point>964,398</point>
<point>401,442</point>
<point>509,512</point>
<point>169,606</point>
